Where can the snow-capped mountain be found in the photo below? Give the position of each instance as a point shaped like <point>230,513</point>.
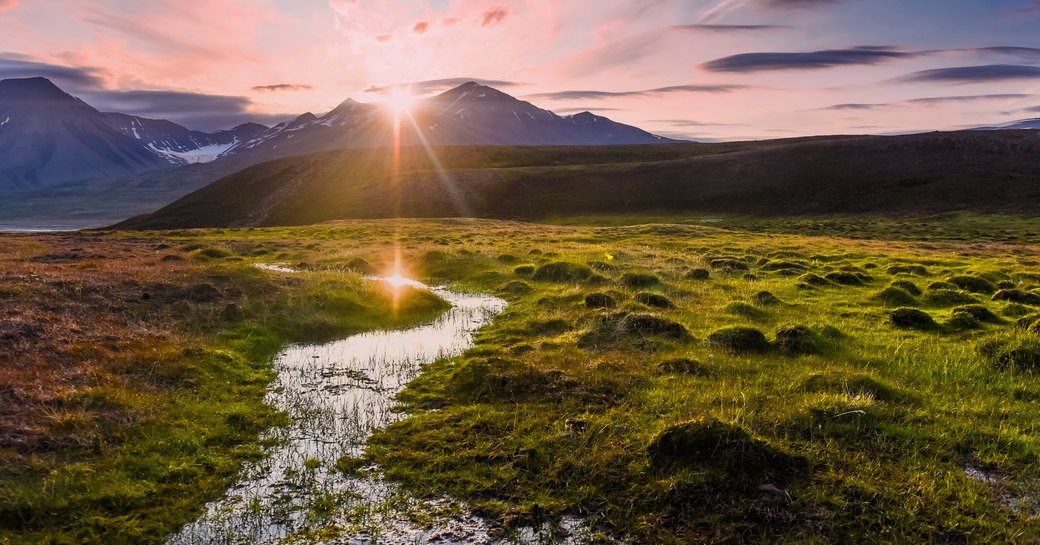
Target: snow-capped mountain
<point>479,115</point>
<point>470,114</point>
<point>178,144</point>
<point>48,137</point>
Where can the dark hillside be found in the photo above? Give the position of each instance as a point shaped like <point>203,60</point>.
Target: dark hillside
<point>925,173</point>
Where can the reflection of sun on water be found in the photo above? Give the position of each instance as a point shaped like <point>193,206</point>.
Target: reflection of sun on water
<point>396,280</point>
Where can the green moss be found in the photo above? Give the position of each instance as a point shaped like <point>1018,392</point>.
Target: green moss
<point>739,340</point>
<point>912,318</point>
<point>562,271</point>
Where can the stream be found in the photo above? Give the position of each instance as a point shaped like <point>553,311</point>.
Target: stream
<point>335,395</point>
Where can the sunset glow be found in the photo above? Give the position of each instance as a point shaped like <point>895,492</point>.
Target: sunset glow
<point>400,102</point>
<point>704,69</point>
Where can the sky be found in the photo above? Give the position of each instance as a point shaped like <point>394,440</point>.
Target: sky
<point>699,69</point>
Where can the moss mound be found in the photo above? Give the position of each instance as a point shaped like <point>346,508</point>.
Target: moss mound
<point>1021,297</point>
<point>963,321</point>
<point>895,297</point>
<point>739,340</point>
<point>974,284</point>
<point>654,300</point>
<point>915,270</point>
<point>980,313</point>
<point>562,271</point>
<point>650,325</point>
<point>728,264</point>
<point>948,298</point>
<point>814,279</point>
<point>639,329</point>
<point>1016,310</point>
<point>912,318</point>
<point>698,274</point>
<point>714,445</point>
<point>847,278</point>
<point>791,268</point>
<point>524,270</point>
<point>798,340</point>
<point>517,287</point>
<point>360,265</point>
<point>908,287</point>
<point>599,300</point>
<point>550,328</point>
<point>213,253</point>
<point>640,280</point>
<point>764,298</point>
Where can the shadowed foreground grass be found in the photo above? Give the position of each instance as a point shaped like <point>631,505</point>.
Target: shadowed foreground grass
<point>679,383</point>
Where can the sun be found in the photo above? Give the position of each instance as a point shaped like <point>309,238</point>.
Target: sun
<point>400,101</point>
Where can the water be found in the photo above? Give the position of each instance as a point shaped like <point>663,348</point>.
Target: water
<point>336,394</point>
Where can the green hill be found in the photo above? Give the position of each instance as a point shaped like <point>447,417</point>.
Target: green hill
<point>976,171</point>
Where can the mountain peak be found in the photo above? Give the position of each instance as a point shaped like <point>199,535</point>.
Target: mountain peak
<point>31,88</point>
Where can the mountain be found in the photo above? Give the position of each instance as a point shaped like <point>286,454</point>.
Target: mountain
<point>470,114</point>
<point>180,145</point>
<point>1015,125</point>
<point>975,171</point>
<point>57,152</point>
<point>48,136</point>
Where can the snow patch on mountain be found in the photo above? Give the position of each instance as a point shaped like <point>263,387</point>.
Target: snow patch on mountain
<point>203,154</point>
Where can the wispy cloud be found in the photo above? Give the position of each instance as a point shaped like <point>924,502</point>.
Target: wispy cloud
<point>6,5</point>
<point>930,101</point>
<point>494,16</point>
<point>436,85</point>
<point>194,110</point>
<point>796,4</point>
<point>692,123</point>
<point>279,87</point>
<point>598,95</point>
<point>729,28</point>
<point>721,8</point>
<point>1029,9</point>
<point>754,62</point>
<point>975,74</point>
<point>72,78</point>
<point>862,55</point>
<point>580,109</point>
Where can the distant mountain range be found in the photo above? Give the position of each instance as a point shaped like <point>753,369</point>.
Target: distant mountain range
<point>977,171</point>
<point>1016,125</point>
<point>49,138</point>
<point>470,114</point>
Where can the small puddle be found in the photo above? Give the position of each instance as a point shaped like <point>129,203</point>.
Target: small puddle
<point>336,394</point>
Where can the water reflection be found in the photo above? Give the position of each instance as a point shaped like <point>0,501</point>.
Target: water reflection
<point>336,394</point>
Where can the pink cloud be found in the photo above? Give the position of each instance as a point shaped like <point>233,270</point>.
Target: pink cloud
<point>420,27</point>
<point>6,5</point>
<point>494,16</point>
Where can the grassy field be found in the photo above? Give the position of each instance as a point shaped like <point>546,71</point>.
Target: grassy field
<point>133,372</point>
<point>669,382</point>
